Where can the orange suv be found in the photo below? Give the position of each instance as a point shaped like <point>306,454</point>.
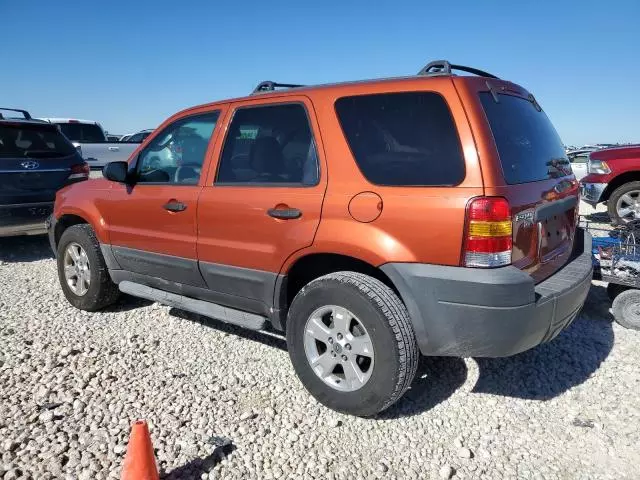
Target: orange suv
<point>371,221</point>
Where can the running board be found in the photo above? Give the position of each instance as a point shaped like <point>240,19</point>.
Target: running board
<point>208,309</point>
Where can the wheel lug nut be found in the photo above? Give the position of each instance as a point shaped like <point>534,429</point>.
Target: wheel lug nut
<point>344,358</point>
<point>330,340</point>
<point>339,336</point>
<point>348,346</point>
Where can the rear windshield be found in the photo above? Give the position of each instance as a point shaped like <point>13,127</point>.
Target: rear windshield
<point>529,147</point>
<point>35,141</point>
<point>404,138</point>
<point>82,132</point>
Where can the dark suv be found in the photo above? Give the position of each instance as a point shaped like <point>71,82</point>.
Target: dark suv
<point>36,160</point>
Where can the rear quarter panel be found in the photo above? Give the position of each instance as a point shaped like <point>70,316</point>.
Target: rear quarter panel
<point>416,224</point>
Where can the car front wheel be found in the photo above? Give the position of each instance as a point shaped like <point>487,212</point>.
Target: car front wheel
<point>351,343</point>
<point>82,271</point>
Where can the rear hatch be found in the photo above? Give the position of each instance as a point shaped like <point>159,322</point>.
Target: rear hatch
<point>528,166</point>
<point>35,161</point>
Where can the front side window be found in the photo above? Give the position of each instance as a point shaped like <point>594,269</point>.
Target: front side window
<point>402,139</point>
<point>269,145</point>
<point>176,155</point>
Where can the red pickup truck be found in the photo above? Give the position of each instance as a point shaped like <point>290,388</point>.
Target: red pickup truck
<point>614,178</point>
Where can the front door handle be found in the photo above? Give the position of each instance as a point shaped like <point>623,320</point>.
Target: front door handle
<point>174,206</point>
<point>114,149</point>
<point>285,213</point>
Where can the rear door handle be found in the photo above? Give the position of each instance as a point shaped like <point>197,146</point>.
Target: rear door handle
<point>114,149</point>
<point>285,213</point>
<point>174,206</point>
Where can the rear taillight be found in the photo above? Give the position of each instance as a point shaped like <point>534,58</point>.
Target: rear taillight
<point>488,235</point>
<point>80,172</point>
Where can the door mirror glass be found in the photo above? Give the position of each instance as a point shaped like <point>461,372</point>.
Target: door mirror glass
<point>116,171</point>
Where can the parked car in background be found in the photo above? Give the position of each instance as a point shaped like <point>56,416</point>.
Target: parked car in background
<point>579,159</point>
<point>137,137</point>
<point>35,161</point>
<point>371,221</point>
<point>614,178</point>
<point>92,140</point>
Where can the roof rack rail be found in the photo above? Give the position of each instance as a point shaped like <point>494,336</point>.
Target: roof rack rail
<point>270,86</point>
<point>443,67</point>
<point>24,113</point>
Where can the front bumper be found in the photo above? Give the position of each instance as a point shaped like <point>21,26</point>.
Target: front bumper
<point>498,312</point>
<point>24,219</point>
<point>592,192</point>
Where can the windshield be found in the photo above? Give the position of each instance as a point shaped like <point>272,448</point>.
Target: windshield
<point>529,147</point>
<point>82,132</point>
<point>38,141</point>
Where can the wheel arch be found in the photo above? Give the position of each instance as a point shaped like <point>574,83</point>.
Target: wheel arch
<point>617,182</point>
<point>65,221</point>
<point>308,267</point>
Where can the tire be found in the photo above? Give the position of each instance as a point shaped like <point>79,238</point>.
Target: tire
<point>101,291</point>
<point>612,203</point>
<point>614,289</point>
<point>626,309</point>
<point>385,319</point>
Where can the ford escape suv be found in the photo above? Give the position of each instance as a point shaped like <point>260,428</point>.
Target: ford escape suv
<point>371,221</point>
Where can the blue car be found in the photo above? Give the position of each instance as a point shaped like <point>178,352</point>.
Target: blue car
<point>36,160</point>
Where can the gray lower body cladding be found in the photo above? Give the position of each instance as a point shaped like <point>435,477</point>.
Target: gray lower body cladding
<point>234,287</point>
<point>491,313</point>
<point>208,309</point>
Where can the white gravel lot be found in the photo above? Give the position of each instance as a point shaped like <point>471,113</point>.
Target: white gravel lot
<point>72,382</point>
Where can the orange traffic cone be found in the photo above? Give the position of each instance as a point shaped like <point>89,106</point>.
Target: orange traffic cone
<point>139,463</point>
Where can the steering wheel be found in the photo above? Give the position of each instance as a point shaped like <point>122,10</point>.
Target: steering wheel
<point>194,166</point>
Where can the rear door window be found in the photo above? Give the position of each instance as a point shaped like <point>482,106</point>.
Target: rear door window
<point>529,147</point>
<point>269,145</point>
<point>403,139</point>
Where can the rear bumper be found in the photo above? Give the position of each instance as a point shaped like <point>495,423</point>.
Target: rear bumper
<point>592,192</point>
<point>491,313</point>
<point>24,219</point>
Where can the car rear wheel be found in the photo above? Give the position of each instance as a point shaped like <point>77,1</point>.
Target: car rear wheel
<point>626,309</point>
<point>82,271</point>
<point>351,343</point>
<point>624,204</point>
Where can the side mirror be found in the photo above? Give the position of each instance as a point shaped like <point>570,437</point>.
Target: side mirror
<point>116,171</point>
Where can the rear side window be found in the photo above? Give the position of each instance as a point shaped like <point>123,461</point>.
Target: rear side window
<point>403,139</point>
<point>529,147</point>
<point>33,141</point>
<point>83,132</point>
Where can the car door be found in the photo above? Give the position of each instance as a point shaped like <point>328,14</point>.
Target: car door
<point>263,202</point>
<point>152,222</point>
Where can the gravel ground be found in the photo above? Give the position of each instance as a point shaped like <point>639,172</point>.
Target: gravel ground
<point>72,382</point>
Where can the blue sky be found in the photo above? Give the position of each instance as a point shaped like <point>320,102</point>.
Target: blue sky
<point>131,64</point>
